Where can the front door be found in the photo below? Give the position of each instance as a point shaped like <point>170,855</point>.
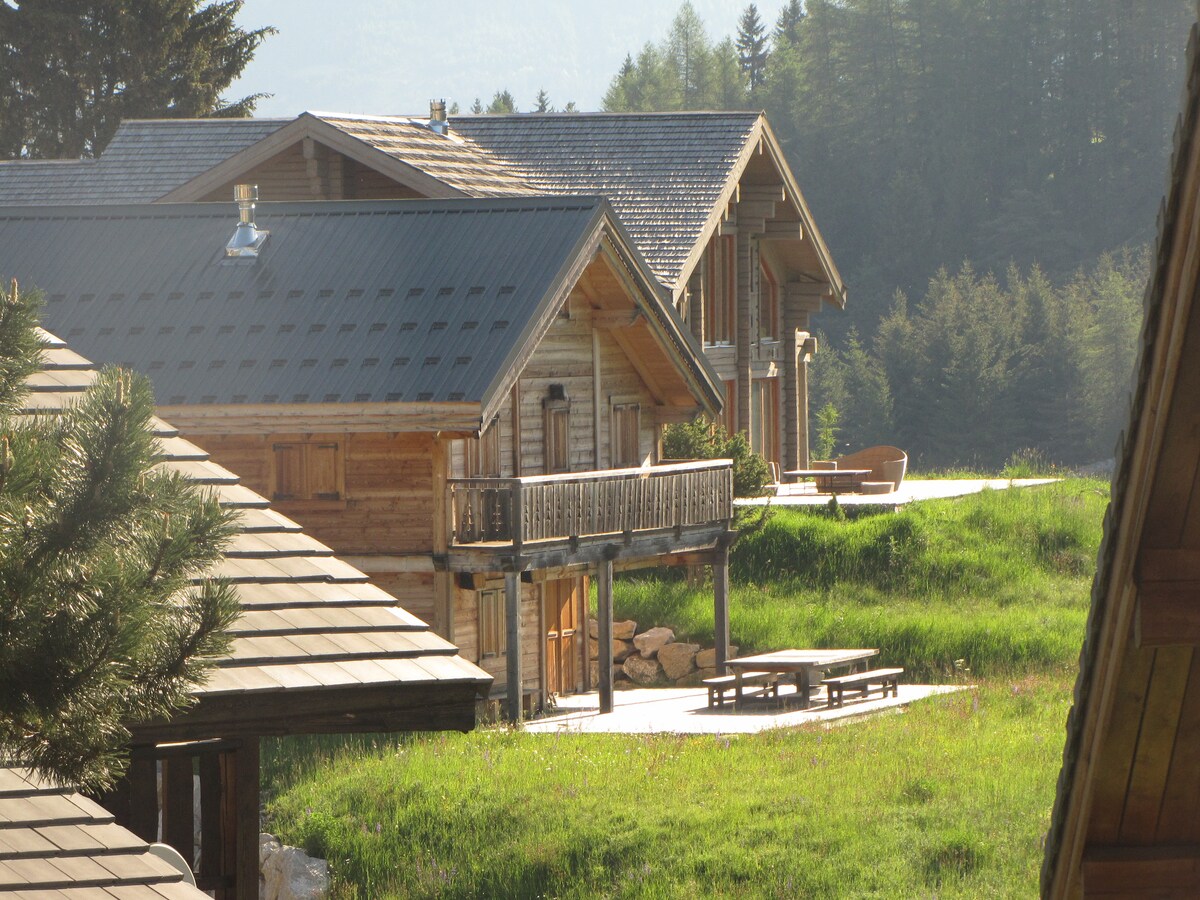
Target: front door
<point>562,601</point>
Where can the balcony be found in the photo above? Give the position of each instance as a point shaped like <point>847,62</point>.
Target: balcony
<point>655,509</point>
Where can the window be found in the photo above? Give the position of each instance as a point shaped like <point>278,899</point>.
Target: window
<point>558,430</point>
<point>307,471</point>
<point>768,304</point>
<point>720,292</point>
<point>493,626</point>
<point>626,444</point>
<point>483,453</point>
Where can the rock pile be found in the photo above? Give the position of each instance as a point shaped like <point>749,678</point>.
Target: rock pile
<point>653,657</point>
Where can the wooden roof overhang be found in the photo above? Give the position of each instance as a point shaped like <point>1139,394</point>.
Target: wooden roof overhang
<point>56,844</point>
<point>627,299</point>
<point>1125,822</point>
<point>317,648</point>
<point>761,185</point>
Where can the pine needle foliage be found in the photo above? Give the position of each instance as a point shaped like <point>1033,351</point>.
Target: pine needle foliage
<point>106,616</point>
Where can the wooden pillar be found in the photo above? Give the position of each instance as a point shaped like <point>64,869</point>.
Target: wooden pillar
<point>246,787</point>
<point>695,290</point>
<point>800,407</point>
<point>743,331</point>
<point>720,569</point>
<point>512,622</point>
<point>178,808</point>
<point>142,776</point>
<point>604,620</point>
<point>210,818</point>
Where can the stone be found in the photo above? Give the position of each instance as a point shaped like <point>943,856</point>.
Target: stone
<point>594,670</point>
<point>677,659</point>
<point>624,631</point>
<point>707,659</point>
<point>622,650</point>
<point>695,678</point>
<point>649,641</point>
<point>290,874</point>
<point>643,671</point>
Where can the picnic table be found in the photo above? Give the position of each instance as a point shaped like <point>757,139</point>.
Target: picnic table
<point>832,481</point>
<point>799,663</point>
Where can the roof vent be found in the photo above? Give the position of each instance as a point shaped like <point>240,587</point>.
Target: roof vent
<point>247,240</point>
<point>437,116</point>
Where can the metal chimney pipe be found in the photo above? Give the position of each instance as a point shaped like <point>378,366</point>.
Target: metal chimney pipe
<point>247,240</point>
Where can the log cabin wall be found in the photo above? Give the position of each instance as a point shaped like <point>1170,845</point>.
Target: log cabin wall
<point>466,633</point>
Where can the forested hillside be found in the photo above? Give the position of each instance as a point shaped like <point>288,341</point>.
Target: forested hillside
<point>986,173</point>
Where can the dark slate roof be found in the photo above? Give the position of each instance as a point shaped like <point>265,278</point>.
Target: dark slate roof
<point>448,158</point>
<point>55,844</point>
<point>145,159</point>
<point>383,301</point>
<point>663,173</point>
<point>309,620</point>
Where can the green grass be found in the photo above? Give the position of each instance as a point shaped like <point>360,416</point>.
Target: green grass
<point>950,798</point>
<point>998,580</point>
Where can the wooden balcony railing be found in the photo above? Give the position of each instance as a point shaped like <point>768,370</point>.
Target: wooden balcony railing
<point>581,504</point>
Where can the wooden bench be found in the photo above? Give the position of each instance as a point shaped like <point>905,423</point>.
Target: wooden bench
<point>889,679</point>
<point>719,685</point>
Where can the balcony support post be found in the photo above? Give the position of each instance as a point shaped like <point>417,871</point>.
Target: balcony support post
<point>512,621</point>
<point>604,642</point>
<point>720,568</point>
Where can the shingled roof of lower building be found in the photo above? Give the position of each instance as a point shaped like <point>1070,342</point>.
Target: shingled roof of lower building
<point>310,622</point>
<point>663,173</point>
<point>55,844</point>
<point>380,301</point>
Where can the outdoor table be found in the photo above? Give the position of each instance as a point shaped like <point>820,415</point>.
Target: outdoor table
<point>829,481</point>
<point>800,663</point>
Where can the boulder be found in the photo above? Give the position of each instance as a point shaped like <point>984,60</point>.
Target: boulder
<point>707,659</point>
<point>643,671</point>
<point>677,660</point>
<point>622,650</point>
<point>648,642</point>
<point>289,874</point>
<point>695,678</point>
<point>624,631</point>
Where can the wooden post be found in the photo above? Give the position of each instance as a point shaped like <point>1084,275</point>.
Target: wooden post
<point>178,806</point>
<point>142,775</point>
<point>512,622</point>
<point>721,605</point>
<point>800,407</point>
<point>604,620</point>
<point>247,819</point>
<point>210,818</point>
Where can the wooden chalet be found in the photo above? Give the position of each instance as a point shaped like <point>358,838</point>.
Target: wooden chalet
<point>318,649</point>
<point>463,398</point>
<point>707,198</point>
<point>1125,822</point>
<point>56,844</point>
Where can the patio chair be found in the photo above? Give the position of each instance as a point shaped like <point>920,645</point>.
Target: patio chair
<point>887,464</point>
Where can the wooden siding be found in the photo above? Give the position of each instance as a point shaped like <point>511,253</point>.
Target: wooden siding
<point>322,174</point>
<point>388,506</point>
<point>466,632</point>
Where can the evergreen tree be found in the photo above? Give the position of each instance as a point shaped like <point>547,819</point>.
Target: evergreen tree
<point>70,70</point>
<point>103,622</point>
<point>787,26</point>
<point>502,102</point>
<point>752,47</point>
<point>542,103</point>
<point>477,107</point>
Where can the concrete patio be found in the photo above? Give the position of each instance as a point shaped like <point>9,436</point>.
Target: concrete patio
<point>911,490</point>
<point>685,711</point>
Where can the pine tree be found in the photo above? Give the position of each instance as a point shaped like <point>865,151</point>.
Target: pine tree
<point>477,107</point>
<point>105,620</point>
<point>542,103</point>
<point>787,26</point>
<point>752,47</point>
<point>70,70</point>
<point>502,103</point>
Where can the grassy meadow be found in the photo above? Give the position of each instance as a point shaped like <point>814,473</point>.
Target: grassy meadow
<point>950,798</point>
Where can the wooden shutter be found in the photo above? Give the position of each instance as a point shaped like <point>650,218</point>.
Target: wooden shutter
<point>289,472</point>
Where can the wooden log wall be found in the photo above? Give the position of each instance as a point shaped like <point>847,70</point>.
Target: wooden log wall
<point>533,638</point>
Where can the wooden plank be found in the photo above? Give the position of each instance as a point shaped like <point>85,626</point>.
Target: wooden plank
<point>210,816</point>
<point>142,776</point>
<point>1167,613</point>
<point>1177,819</point>
<point>720,569</point>
<point>1156,739</point>
<point>178,807</point>
<point>1164,871</point>
<point>247,789</point>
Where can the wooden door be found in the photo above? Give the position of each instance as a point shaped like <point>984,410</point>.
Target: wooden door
<point>562,604</point>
